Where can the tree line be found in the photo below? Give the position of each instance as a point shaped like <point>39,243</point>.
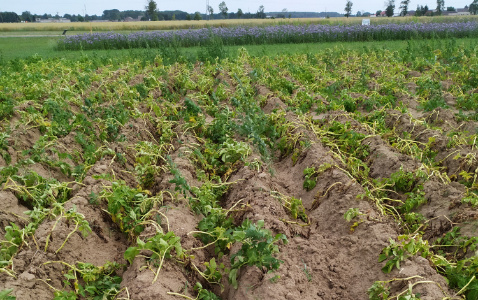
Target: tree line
<point>420,11</point>
<point>151,13</point>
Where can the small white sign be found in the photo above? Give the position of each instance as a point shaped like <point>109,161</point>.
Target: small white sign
<point>366,22</point>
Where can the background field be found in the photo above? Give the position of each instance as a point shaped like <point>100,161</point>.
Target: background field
<point>21,40</point>
<point>170,25</point>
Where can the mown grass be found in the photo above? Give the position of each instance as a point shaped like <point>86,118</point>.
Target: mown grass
<point>14,48</point>
<point>21,48</point>
<point>38,33</point>
<point>171,25</point>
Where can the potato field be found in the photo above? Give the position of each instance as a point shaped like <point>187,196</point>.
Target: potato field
<point>337,175</point>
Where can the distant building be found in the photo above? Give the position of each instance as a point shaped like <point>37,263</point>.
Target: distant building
<point>129,19</point>
<point>461,12</point>
<point>458,12</point>
<point>53,20</point>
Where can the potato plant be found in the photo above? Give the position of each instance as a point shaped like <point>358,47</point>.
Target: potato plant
<point>112,148</point>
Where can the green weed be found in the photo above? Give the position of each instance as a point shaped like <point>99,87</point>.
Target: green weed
<point>307,272</point>
<point>311,174</point>
<point>5,295</point>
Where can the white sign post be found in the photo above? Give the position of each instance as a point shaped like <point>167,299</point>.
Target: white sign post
<point>366,22</point>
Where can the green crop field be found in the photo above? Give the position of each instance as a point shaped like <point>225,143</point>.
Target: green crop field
<point>284,171</point>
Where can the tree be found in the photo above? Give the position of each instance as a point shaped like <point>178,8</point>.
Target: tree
<point>197,16</point>
<point>425,10</point>
<point>390,8</point>
<point>9,17</point>
<point>404,7</point>
<point>348,8</point>
<point>239,13</point>
<point>151,10</point>
<point>421,11</point>
<point>210,11</point>
<point>473,8</point>
<point>72,18</point>
<point>111,14</point>
<point>188,17</point>
<point>450,8</point>
<point>359,14</point>
<point>223,9</point>
<point>440,6</point>
<point>260,12</point>
<point>378,13</point>
<point>418,12</point>
<point>282,14</point>
<point>27,17</point>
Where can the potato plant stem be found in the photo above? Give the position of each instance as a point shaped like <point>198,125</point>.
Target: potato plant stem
<point>180,295</point>
<point>67,237</point>
<point>51,231</point>
<point>161,264</point>
<point>464,288</point>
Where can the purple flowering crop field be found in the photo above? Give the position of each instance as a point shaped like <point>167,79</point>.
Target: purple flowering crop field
<point>243,35</point>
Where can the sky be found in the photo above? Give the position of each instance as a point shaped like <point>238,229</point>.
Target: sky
<point>93,7</point>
